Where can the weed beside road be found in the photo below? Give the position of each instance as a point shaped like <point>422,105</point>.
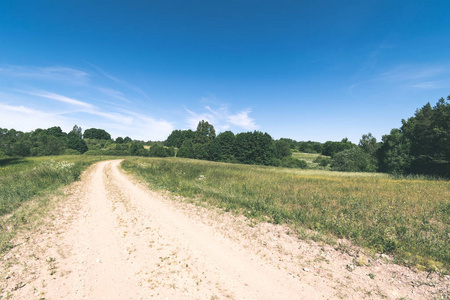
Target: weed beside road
<point>408,217</point>
<point>24,180</point>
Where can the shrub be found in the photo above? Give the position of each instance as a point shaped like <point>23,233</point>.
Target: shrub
<point>353,160</point>
<point>322,161</point>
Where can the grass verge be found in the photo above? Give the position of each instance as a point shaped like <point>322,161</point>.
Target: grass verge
<point>26,186</point>
<point>407,217</point>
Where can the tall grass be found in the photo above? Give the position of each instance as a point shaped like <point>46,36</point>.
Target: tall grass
<point>33,179</point>
<point>409,217</point>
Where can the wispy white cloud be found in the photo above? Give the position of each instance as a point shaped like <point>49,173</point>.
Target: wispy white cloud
<point>243,120</point>
<point>114,93</point>
<point>221,118</point>
<point>121,82</point>
<point>25,118</point>
<point>28,98</point>
<point>410,76</point>
<point>46,73</point>
<point>61,98</point>
<point>430,85</point>
<point>410,72</point>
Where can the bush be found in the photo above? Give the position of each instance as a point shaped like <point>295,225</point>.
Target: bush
<point>290,162</point>
<point>353,160</point>
<point>322,161</point>
<point>71,152</point>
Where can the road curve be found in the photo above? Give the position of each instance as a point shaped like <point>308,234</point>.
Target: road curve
<point>127,243</point>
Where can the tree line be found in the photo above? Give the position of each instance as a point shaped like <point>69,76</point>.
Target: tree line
<point>54,141</point>
<point>420,146</point>
<point>246,147</point>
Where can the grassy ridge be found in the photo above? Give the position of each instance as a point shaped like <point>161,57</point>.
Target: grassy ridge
<point>31,179</point>
<point>407,217</point>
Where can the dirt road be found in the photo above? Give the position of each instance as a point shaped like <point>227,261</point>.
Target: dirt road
<point>115,239</point>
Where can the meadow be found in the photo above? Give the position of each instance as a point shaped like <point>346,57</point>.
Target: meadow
<point>405,216</point>
<point>25,180</point>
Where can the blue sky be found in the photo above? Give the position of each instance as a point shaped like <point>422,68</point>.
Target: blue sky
<point>307,70</point>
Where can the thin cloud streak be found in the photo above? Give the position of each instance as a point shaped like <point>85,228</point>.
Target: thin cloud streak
<point>243,120</point>
<point>222,119</point>
<point>122,82</point>
<point>46,73</point>
<point>61,98</point>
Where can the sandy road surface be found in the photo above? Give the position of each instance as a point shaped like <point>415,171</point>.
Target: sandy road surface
<point>118,240</point>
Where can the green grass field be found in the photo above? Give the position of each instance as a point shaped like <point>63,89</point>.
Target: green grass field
<point>408,217</point>
<point>33,179</point>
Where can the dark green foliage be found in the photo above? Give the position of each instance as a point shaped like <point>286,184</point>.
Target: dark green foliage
<point>161,151</point>
<point>330,148</point>
<point>77,131</point>
<point>214,149</point>
<point>429,134</point>
<point>56,131</point>
<point>394,154</point>
<point>282,149</point>
<point>200,151</point>
<point>369,144</point>
<point>44,145</point>
<point>254,148</point>
<point>119,140</point>
<point>291,162</point>
<point>322,161</point>
<point>76,143</point>
<point>205,133</point>
<point>135,147</point>
<point>353,160</point>
<point>94,133</point>
<point>186,150</point>
<point>310,147</point>
<point>290,142</point>
<point>177,138</point>
<point>122,147</point>
<point>421,145</point>
<point>127,140</point>
<point>226,142</point>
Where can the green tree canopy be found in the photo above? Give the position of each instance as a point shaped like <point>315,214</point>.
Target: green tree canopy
<point>254,148</point>
<point>282,149</point>
<point>353,160</point>
<point>205,132</point>
<point>94,133</point>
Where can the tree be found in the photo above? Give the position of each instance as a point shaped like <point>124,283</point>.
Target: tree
<point>77,131</point>
<point>57,132</point>
<point>186,150</point>
<point>205,132</point>
<point>330,148</point>
<point>158,151</point>
<point>94,133</point>
<point>177,138</point>
<point>226,142</point>
<point>429,134</point>
<point>282,149</point>
<point>353,160</point>
<point>310,147</point>
<point>127,140</point>
<point>44,144</point>
<point>75,142</point>
<point>254,148</point>
<point>369,144</point>
<point>119,140</point>
<point>394,154</point>
<point>135,147</point>
<point>200,151</point>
